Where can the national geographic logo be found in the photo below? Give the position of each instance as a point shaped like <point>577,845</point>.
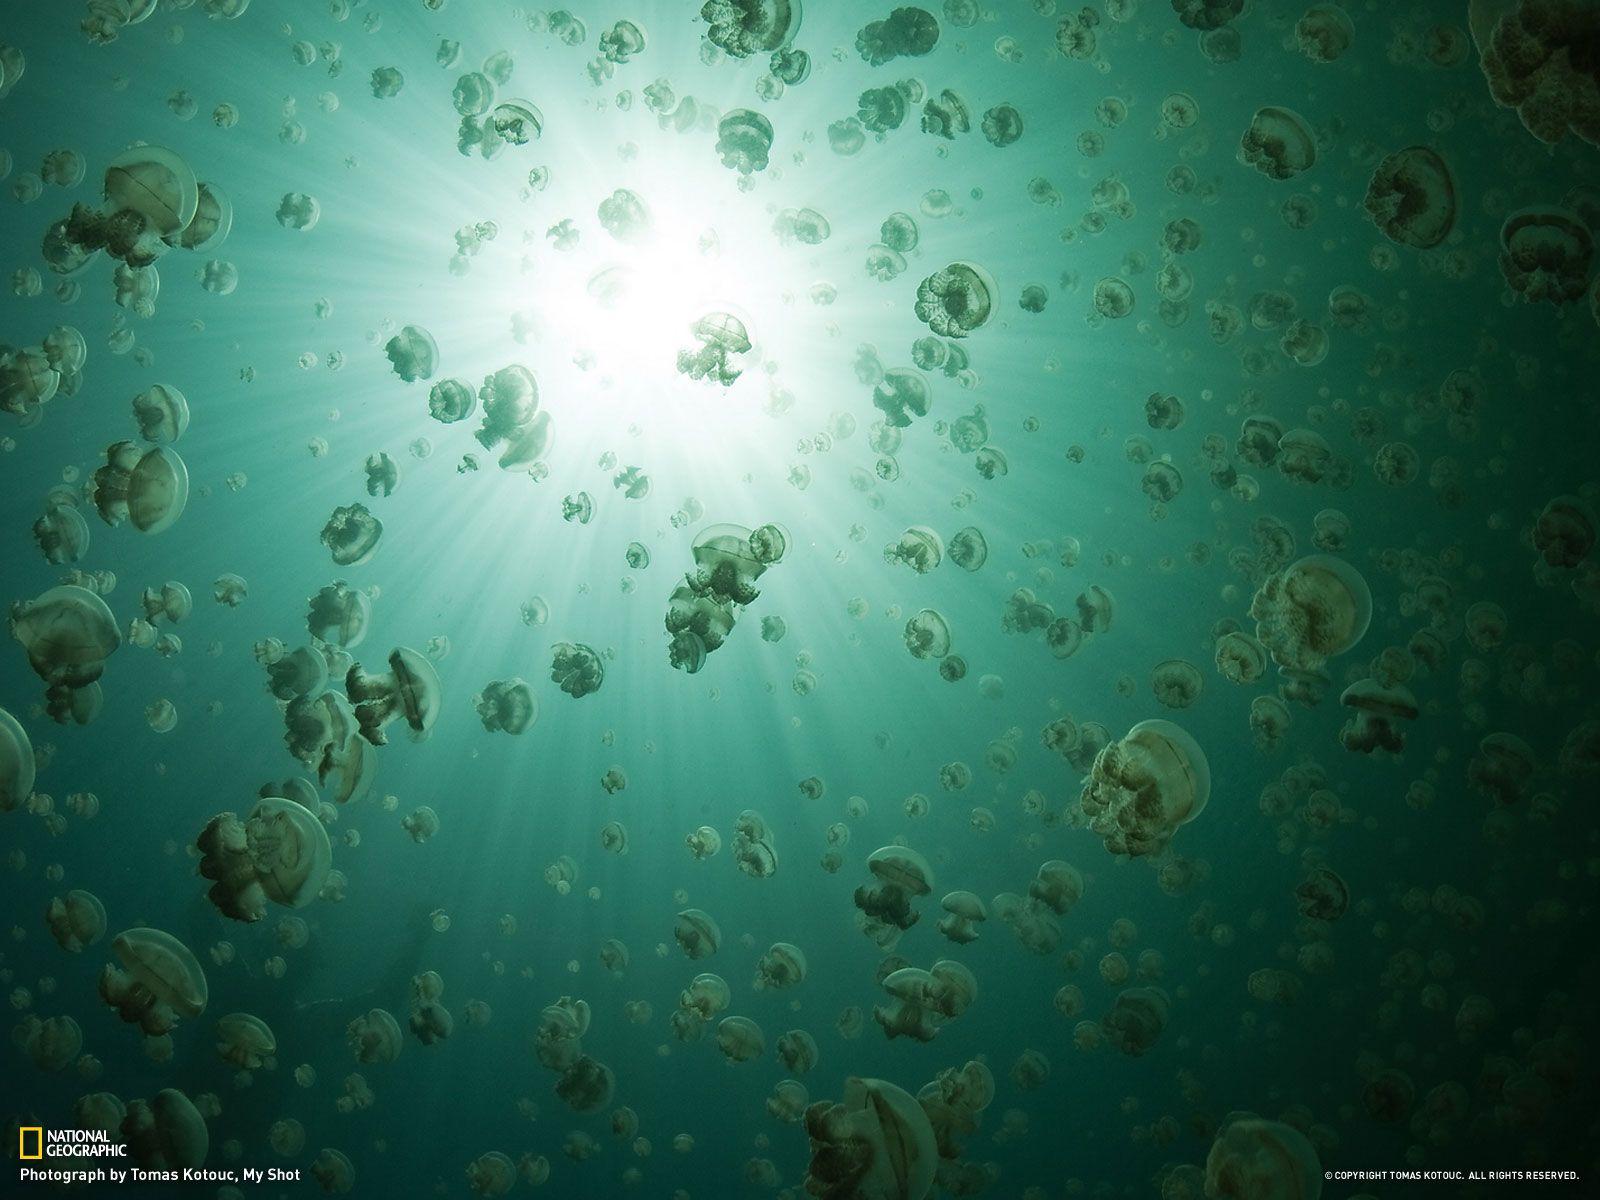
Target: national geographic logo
<point>35,1143</point>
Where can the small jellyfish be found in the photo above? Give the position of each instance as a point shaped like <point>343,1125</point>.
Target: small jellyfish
<point>413,353</point>
<point>1324,32</point>
<point>507,706</point>
<point>576,668</point>
<point>1176,683</point>
<point>1113,297</point>
<point>928,635</point>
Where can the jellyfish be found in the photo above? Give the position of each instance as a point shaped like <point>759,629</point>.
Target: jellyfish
<point>624,216</point>
<point>576,668</point>
<point>968,548</point>
<point>1137,1019</point>
<point>744,138</point>
<point>159,982</point>
<point>280,852</point>
<point>52,1043</point>
<point>76,920</point>
<point>1176,683</point>
<point>1142,788</point>
<point>507,706</point>
<point>1537,58</point>
<point>410,689</point>
<point>452,400</point>
<point>740,1039</point>
<point>162,412</point>
<point>877,1142</point>
<point>753,850</point>
<point>697,933</point>
<point>147,487</point>
<point>902,395</point>
<point>957,300</point>
<point>154,185</point>
<point>1311,611</point>
<point>1377,713</point>
<point>298,211</point>
<point>67,633</point>
<point>333,1171</point>
<point>339,615</point>
<point>1412,197</point>
<point>905,32</point>
<point>919,548</point>
<point>1324,33</point>
<point>886,909</point>
<point>245,1041</point>
<point>511,123</point>
<point>1113,297</point>
<point>1002,125</point>
<point>165,1133</point>
<point>721,337</point>
<point>782,966</point>
<point>797,1050</point>
<point>746,27</point>
<point>512,415</point>
<point>1278,143</point>
<point>964,912</point>
<point>946,115</point>
<point>374,1037</point>
<point>928,635</point>
<point>1252,1157</point>
<point>1546,255</point>
<point>413,353</point>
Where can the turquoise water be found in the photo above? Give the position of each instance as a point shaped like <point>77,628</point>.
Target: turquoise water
<point>1412,402</point>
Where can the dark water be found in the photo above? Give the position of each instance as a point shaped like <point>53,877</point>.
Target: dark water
<point>1373,945</point>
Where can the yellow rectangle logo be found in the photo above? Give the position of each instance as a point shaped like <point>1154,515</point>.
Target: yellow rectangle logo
<point>38,1143</point>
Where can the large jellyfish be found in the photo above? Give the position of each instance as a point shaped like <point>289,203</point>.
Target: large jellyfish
<point>876,1144</point>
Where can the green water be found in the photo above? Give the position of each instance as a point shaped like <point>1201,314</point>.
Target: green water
<point>831,438</point>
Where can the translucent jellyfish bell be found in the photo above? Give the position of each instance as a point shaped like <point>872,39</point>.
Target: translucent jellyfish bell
<point>928,635</point>
<point>162,980</point>
<point>16,763</point>
<point>724,330</point>
<point>158,492</point>
<point>162,412</point>
<point>754,27</point>
<point>609,286</point>
<point>769,543</point>
<point>1347,598</point>
<point>213,220</point>
<point>893,1148</point>
<point>1176,759</point>
<point>518,122</point>
<point>1278,143</point>
<point>957,300</point>
<point>1412,197</point>
<point>68,633</point>
<point>157,184</point>
<point>726,544</point>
